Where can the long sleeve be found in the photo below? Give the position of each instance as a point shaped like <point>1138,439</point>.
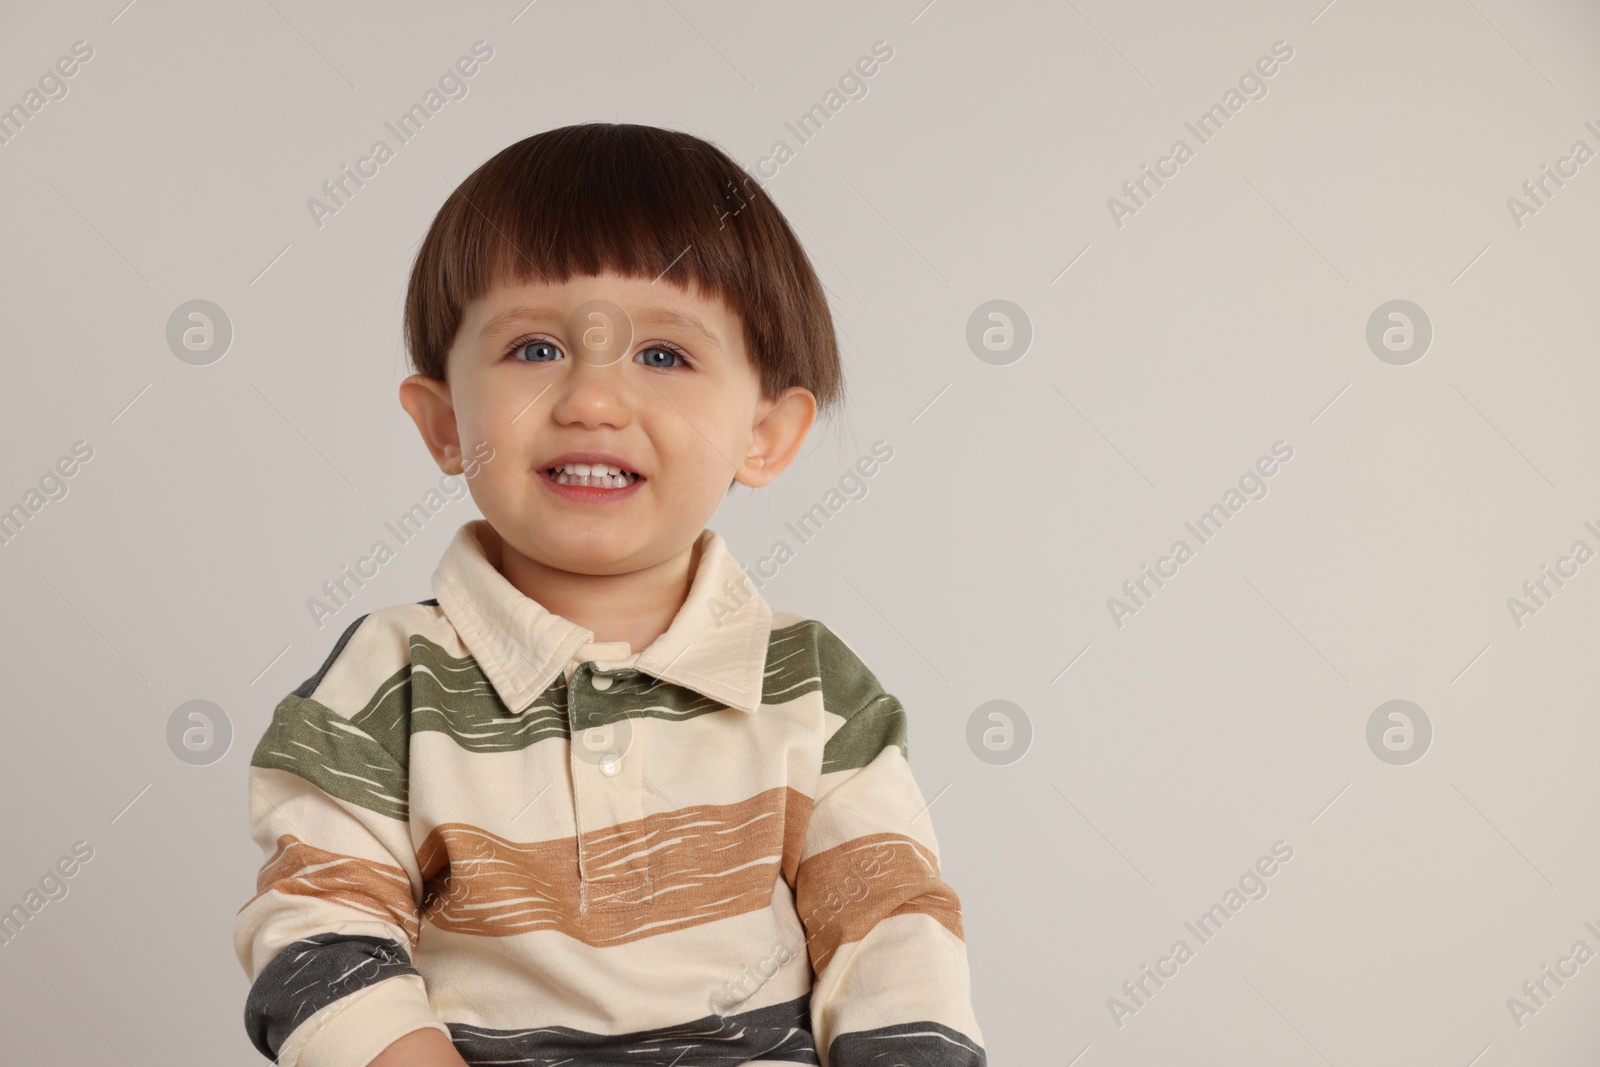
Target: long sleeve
<point>883,929</point>
<point>327,939</point>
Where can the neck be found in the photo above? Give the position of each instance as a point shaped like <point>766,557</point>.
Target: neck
<point>636,607</point>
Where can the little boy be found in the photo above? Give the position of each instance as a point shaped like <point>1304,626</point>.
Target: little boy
<point>596,802</point>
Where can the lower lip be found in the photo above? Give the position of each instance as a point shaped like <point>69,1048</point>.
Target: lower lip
<point>589,494</point>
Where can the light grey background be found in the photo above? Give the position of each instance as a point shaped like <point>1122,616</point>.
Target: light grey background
<point>1229,313</point>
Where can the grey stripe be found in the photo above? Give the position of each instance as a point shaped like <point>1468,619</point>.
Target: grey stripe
<point>926,1044</point>
<point>308,975</point>
<point>309,686</point>
<point>777,1032</point>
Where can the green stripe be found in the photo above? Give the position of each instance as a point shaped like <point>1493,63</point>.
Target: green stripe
<point>875,719</point>
<point>451,694</point>
<point>846,683</point>
<point>311,740</point>
<point>364,759</point>
<point>868,732</point>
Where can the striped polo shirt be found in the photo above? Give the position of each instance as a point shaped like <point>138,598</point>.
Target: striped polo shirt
<point>554,850</point>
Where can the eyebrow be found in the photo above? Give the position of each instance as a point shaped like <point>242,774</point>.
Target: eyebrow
<point>645,316</point>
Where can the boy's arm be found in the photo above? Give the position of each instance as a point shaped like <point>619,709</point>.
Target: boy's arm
<point>420,1048</point>
<point>327,939</point>
<point>883,930</point>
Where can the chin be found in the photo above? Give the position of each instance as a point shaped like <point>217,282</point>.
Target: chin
<point>588,548</point>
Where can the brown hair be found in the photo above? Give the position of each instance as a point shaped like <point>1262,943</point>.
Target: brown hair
<point>638,201</point>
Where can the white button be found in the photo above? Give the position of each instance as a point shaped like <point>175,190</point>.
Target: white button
<point>600,681</point>
<point>609,766</point>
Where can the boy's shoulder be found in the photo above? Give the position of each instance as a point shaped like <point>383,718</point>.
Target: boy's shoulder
<point>809,644</point>
<point>346,728</point>
<point>863,719</point>
<point>374,651</point>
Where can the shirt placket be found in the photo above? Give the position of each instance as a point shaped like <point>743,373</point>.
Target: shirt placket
<point>607,757</point>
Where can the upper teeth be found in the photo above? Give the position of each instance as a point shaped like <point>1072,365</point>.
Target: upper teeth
<point>583,470</point>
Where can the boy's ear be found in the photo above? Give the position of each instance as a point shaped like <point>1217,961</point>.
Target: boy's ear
<point>781,428</point>
<point>427,401</point>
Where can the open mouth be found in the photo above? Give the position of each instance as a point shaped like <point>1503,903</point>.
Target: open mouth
<point>592,475</point>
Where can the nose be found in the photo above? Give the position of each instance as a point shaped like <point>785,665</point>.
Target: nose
<point>593,393</point>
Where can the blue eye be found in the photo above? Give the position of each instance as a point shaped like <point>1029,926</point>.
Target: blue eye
<point>665,350</point>
<point>535,351</point>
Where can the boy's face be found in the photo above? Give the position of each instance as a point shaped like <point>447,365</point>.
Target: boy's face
<point>537,371</point>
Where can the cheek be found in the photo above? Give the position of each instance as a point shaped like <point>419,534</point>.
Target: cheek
<point>707,439</point>
<point>491,432</point>
<point>701,463</point>
<point>481,418</point>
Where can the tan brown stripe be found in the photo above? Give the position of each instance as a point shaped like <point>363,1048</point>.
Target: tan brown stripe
<point>842,893</point>
<point>797,820</point>
<point>694,865</point>
<point>378,889</point>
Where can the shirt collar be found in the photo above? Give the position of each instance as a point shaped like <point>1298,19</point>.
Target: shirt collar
<point>716,645</point>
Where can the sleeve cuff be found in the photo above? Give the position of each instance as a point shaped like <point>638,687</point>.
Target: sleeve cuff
<point>368,1022</point>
